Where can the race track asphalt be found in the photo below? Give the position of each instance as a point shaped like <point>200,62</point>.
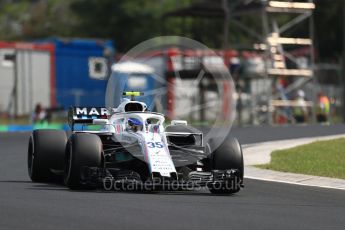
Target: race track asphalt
<point>261,205</point>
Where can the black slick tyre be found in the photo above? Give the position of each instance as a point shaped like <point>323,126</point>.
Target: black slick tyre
<point>82,150</point>
<point>228,155</point>
<point>46,151</point>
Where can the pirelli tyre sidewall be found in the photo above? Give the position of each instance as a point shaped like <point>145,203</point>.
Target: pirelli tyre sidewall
<point>228,155</point>
<point>46,150</point>
<point>82,150</point>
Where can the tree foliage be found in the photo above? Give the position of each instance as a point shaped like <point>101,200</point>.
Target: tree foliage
<point>328,18</point>
<point>129,22</point>
<point>28,19</point>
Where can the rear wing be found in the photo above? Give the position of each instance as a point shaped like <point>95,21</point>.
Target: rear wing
<point>86,115</point>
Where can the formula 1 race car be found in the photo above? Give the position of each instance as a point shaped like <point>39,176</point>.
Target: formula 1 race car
<point>131,146</point>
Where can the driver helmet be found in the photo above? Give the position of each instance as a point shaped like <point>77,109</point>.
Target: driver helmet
<point>135,124</point>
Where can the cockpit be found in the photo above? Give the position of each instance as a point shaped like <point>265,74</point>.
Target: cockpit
<point>134,124</point>
<point>139,121</point>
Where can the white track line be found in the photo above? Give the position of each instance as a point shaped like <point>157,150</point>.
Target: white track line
<point>293,183</point>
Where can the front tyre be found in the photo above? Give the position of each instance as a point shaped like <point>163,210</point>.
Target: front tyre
<point>227,156</point>
<point>82,150</point>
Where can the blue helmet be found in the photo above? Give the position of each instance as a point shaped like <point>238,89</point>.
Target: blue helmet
<point>134,121</point>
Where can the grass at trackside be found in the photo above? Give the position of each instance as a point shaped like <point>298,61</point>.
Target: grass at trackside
<point>321,158</point>
<point>18,121</point>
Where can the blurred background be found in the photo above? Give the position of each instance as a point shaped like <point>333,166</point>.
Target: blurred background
<point>285,57</point>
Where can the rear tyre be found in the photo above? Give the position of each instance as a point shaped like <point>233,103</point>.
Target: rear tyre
<point>227,155</point>
<point>46,152</point>
<point>82,150</point>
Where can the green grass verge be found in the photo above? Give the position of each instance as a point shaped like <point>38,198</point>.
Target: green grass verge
<point>321,158</point>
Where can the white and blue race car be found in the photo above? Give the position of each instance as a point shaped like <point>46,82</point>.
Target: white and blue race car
<point>132,146</point>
